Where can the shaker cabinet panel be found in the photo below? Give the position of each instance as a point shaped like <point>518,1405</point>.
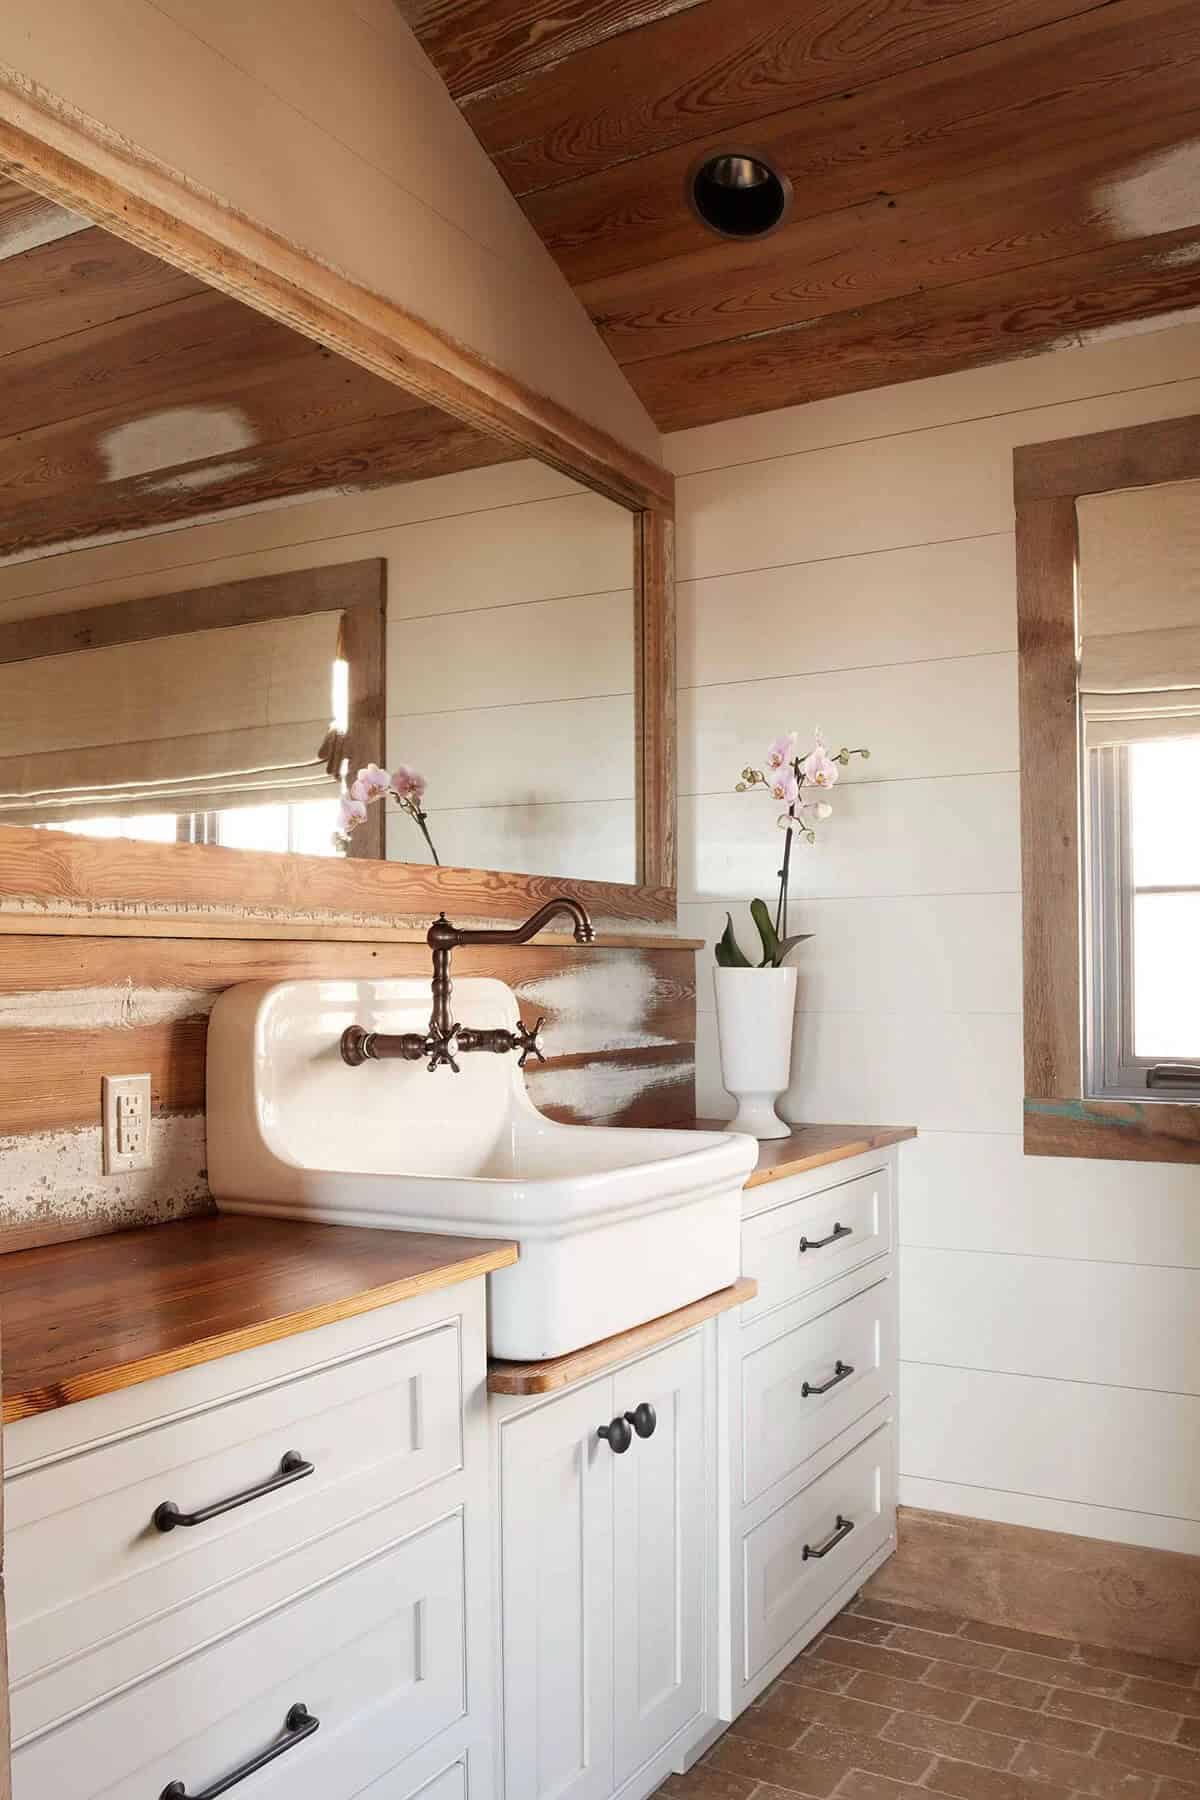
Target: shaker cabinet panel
<point>658,1534</point>
<point>556,1578</point>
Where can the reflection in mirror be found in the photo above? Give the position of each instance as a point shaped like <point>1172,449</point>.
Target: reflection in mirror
<point>186,485</point>
<point>1139,599</point>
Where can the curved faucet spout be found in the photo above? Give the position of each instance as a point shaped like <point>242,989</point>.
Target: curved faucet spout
<point>446,1039</point>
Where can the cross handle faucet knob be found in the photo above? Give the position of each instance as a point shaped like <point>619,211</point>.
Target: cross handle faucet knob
<point>529,1043</point>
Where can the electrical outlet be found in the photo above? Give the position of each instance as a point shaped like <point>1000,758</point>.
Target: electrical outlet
<point>126,1135</point>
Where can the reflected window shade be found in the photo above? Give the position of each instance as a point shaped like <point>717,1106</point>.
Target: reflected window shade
<point>1137,686</point>
<point>201,721</point>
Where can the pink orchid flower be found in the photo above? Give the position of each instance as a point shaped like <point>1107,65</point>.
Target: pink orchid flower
<point>351,812</point>
<point>818,767</point>
<point>785,787</point>
<point>371,784</point>
<point>408,784</point>
<point>782,751</point>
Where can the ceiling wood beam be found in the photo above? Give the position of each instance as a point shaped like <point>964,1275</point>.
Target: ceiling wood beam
<point>722,67</point>
<point>1045,97</point>
<point>960,327</point>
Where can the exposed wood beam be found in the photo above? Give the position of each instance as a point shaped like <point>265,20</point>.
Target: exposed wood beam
<point>957,327</point>
<point>1129,71</point>
<point>722,66</point>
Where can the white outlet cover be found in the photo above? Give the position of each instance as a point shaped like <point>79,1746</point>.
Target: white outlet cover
<point>115,1088</point>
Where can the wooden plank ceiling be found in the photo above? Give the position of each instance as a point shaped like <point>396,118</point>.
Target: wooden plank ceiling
<point>133,397</point>
<point>974,179</point>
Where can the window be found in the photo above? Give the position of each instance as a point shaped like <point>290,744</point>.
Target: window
<point>305,827</point>
<point>1144,894</point>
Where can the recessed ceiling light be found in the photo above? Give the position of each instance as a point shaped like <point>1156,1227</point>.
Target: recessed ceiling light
<point>738,194</point>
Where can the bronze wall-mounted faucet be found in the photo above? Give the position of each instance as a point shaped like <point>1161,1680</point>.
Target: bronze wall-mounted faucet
<point>446,1040</point>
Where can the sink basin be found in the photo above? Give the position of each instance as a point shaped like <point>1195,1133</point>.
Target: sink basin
<point>615,1226</point>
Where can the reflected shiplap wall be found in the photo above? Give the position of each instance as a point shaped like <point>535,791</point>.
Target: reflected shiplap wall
<point>510,647</point>
<point>850,564</point>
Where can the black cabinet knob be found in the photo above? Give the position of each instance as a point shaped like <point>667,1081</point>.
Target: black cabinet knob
<point>618,1435</point>
<point>643,1419</point>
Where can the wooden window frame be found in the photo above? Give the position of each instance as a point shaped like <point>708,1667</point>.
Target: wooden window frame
<point>1048,481</point>
<point>138,198</point>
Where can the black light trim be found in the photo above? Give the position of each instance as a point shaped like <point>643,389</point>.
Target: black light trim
<point>738,193</point>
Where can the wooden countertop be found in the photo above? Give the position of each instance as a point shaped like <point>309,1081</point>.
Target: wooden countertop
<point>545,1377</point>
<point>814,1146</point>
<point>88,1317</point>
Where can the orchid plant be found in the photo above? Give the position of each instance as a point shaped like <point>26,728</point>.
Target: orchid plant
<point>786,777</point>
<point>405,786</point>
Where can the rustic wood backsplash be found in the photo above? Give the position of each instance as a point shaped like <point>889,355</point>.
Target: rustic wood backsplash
<point>620,1031</point>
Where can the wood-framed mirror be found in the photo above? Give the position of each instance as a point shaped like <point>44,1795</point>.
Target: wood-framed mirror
<point>458,546</point>
<point>1108,586</point>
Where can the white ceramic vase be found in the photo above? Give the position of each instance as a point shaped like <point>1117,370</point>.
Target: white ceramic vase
<point>755,1009</point>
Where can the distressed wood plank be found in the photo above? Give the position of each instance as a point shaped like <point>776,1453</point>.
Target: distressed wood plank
<point>959,327</point>
<point>656,742</point>
<point>719,67</point>
<point>79,282</point>
<point>477,46</point>
<point>987,224</point>
<point>1047,651</point>
<point>1121,75</point>
<point>1131,456</point>
<point>1116,1130</point>
<point>27,222</point>
<point>39,878</point>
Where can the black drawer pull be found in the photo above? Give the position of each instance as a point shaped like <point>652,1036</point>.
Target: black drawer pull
<point>842,1530</point>
<point>840,1372</point>
<point>643,1419</point>
<point>292,1468</point>
<point>618,1435</point>
<point>298,1725</point>
<point>839,1231</point>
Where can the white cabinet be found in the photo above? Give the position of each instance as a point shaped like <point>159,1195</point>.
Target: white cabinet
<point>357,1591</point>
<point>814,1408</point>
<point>608,1554</point>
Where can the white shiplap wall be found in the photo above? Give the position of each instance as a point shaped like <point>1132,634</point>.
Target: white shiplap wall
<point>849,564</point>
<point>510,647</point>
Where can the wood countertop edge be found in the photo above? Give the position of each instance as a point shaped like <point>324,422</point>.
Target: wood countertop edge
<point>881,1139</point>
<point>150,925</point>
<point>593,1359</point>
<point>112,1378</point>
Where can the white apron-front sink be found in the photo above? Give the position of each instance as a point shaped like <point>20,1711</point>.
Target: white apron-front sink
<point>615,1226</point>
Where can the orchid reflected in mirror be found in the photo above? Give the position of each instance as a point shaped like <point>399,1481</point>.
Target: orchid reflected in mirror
<point>799,783</point>
<point>405,785</point>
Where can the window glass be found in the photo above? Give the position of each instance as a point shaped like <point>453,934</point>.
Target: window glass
<point>148,828</point>
<point>1164,796</point>
<point>1166,987</point>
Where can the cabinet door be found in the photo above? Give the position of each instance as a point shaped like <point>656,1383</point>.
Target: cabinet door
<point>659,1504</point>
<point>556,1569</point>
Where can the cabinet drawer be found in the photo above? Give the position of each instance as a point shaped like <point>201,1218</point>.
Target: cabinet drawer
<point>796,1248</point>
<point>850,1351</point>
<point>788,1569</point>
<point>87,1567</point>
<point>451,1784</point>
<point>375,1653</point>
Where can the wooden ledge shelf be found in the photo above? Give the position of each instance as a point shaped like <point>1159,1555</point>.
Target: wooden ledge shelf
<point>814,1147</point>
<point>545,1377</point>
<point>90,1317</point>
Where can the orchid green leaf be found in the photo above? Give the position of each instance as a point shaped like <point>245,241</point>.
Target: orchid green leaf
<point>729,951</point>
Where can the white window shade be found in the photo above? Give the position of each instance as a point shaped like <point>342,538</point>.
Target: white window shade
<point>203,720</point>
<point>1141,685</point>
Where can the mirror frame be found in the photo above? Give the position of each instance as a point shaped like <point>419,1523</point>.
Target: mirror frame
<point>1048,480</point>
<point>140,199</point>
